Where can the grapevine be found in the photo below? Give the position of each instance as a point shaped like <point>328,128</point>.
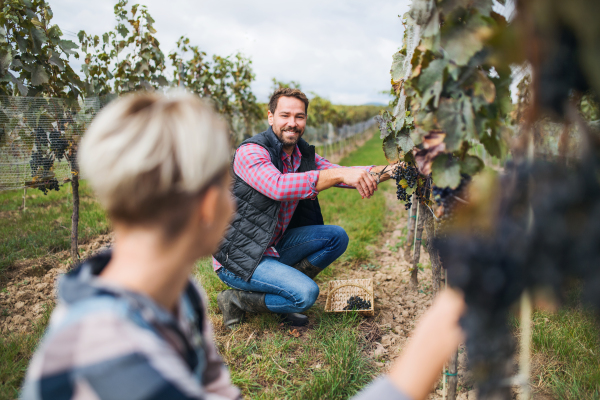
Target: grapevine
<point>545,235</point>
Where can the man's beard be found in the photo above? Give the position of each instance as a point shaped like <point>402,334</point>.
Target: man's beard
<point>288,142</point>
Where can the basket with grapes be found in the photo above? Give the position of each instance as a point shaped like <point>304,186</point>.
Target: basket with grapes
<point>351,295</point>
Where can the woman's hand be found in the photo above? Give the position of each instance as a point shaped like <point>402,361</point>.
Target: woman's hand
<point>435,339</point>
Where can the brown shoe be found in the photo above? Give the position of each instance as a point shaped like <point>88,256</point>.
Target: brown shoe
<point>234,304</point>
<point>307,268</point>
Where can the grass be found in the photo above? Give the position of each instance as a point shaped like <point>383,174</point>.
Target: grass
<point>568,344</point>
<point>45,226</point>
<point>16,350</point>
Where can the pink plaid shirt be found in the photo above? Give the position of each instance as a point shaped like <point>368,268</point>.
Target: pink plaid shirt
<point>253,164</point>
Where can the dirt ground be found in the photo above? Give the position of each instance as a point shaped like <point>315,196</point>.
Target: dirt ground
<point>30,289</point>
<point>30,286</point>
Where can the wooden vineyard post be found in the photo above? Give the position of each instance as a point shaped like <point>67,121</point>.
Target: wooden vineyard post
<point>436,263</point>
<point>525,347</point>
<point>24,196</point>
<point>453,376</point>
<point>414,280</point>
<point>75,215</point>
<point>410,235</point>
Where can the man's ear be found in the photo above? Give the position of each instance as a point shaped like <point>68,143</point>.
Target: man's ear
<point>270,117</point>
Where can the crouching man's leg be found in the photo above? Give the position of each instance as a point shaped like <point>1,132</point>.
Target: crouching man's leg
<point>311,249</point>
<point>274,287</point>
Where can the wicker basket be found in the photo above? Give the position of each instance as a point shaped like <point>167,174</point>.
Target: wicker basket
<point>340,291</point>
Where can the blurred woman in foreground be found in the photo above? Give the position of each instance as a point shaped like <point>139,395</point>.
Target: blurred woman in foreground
<point>132,323</point>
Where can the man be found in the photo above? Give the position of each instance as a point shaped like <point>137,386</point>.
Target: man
<point>277,242</point>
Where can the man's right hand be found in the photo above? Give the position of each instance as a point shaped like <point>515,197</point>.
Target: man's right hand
<point>364,182</point>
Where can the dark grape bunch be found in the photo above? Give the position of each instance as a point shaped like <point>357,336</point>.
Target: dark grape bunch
<point>357,303</point>
<point>48,148</point>
<point>58,144</point>
<point>546,235</point>
<point>410,174</point>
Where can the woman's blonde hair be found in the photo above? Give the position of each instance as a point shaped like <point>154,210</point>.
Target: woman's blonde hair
<point>149,156</point>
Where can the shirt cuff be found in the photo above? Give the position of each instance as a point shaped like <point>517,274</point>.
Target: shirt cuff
<point>313,177</point>
<point>382,388</point>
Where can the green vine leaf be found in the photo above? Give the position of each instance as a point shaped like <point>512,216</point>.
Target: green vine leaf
<point>471,165</point>
<point>397,71</point>
<point>445,171</point>
<point>430,82</point>
<point>484,87</point>
<point>39,75</point>
<point>455,117</point>
<point>390,149</point>
<point>461,42</point>
<point>404,142</point>
<point>491,144</point>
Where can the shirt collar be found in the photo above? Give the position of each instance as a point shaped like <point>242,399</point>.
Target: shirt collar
<point>296,154</point>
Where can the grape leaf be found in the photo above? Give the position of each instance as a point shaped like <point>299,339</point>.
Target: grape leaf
<point>39,38</point>
<point>471,165</point>
<point>39,75</point>
<point>67,46</point>
<point>483,86</point>
<point>384,120</point>
<point>397,70</point>
<point>5,60</point>
<point>445,171</point>
<point>22,88</point>
<point>56,60</point>
<point>461,42</point>
<point>420,11</point>
<point>404,142</point>
<point>491,144</point>
<point>390,149</point>
<point>455,117</point>
<point>430,82</point>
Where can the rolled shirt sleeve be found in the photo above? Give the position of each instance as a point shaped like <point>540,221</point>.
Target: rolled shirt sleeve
<point>253,164</point>
<point>323,164</point>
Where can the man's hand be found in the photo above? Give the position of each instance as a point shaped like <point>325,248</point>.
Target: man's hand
<point>387,171</point>
<point>364,182</point>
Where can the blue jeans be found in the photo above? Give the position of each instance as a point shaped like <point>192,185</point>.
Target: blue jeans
<point>289,290</point>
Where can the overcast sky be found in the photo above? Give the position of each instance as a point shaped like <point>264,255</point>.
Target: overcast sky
<point>340,49</point>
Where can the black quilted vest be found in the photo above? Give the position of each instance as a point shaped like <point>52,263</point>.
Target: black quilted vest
<point>254,223</point>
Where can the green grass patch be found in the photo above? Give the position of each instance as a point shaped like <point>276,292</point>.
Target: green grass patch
<point>16,350</point>
<point>45,225</point>
<point>363,219</point>
<point>569,342</point>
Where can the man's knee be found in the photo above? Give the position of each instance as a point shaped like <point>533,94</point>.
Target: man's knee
<point>307,296</point>
<point>340,238</point>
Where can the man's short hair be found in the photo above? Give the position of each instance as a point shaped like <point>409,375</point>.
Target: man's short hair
<point>149,157</point>
<point>287,92</point>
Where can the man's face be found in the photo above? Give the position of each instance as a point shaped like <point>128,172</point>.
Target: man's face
<point>289,120</point>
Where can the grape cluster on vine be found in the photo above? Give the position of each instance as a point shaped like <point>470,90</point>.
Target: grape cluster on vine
<point>58,144</point>
<point>546,234</point>
<point>410,175</point>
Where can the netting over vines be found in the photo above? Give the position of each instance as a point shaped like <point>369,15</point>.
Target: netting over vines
<point>37,137</point>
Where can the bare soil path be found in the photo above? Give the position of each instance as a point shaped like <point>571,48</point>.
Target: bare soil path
<point>30,286</point>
